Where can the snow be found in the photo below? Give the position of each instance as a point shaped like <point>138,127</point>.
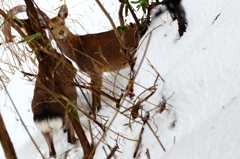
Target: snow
<point>218,137</point>
<point>202,81</point>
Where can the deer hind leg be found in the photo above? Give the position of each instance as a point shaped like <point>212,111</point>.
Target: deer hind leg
<point>96,95</point>
<point>71,137</point>
<point>49,139</point>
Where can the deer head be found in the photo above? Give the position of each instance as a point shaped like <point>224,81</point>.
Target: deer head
<point>57,24</point>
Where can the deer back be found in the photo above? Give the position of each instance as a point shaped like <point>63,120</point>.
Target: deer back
<point>53,81</point>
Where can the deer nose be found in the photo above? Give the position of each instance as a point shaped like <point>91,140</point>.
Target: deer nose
<point>61,32</point>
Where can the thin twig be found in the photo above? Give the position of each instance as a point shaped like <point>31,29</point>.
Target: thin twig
<point>148,154</point>
<point>156,136</point>
<point>112,152</point>
<point>104,150</point>
<point>120,16</point>
<point>91,133</point>
<point>150,64</point>
<point>140,135</point>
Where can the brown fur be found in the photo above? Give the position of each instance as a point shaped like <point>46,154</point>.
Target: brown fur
<point>93,53</point>
<point>46,105</point>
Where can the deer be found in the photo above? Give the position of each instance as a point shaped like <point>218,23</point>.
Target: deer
<point>55,95</point>
<point>53,102</point>
<point>49,113</point>
<point>94,54</point>
<point>54,84</point>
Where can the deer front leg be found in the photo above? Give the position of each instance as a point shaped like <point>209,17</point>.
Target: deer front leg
<point>96,99</point>
<point>49,139</point>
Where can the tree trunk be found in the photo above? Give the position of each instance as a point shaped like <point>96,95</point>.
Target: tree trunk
<point>6,142</point>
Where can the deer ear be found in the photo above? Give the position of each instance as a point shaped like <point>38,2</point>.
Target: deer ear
<point>43,24</point>
<point>63,12</point>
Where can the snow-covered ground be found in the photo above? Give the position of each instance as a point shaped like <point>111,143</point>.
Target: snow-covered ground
<point>201,72</point>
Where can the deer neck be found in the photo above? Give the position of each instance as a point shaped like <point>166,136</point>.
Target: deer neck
<point>69,45</point>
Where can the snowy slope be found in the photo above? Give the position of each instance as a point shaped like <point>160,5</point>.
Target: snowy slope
<point>201,69</point>
<point>218,137</point>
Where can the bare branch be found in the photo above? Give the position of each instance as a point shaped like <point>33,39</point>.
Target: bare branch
<point>120,16</point>
<point>6,141</point>
<point>112,152</point>
<point>160,143</point>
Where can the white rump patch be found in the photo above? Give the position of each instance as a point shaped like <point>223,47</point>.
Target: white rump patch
<point>50,125</point>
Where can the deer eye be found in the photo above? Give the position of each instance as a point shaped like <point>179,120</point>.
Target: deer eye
<point>51,28</point>
<point>63,23</point>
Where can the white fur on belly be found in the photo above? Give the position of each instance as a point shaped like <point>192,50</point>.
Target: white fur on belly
<point>50,125</point>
